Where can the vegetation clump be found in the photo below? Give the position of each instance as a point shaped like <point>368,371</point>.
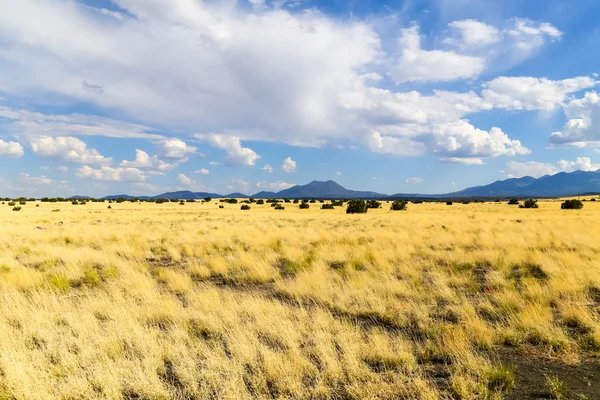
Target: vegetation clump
<point>357,207</point>
<point>304,206</point>
<point>531,203</point>
<point>513,202</point>
<point>572,205</point>
<point>245,207</point>
<point>327,207</point>
<point>399,205</point>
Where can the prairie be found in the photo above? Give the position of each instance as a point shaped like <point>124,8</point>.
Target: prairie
<point>169,301</point>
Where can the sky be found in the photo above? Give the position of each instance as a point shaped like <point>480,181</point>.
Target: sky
<point>101,97</point>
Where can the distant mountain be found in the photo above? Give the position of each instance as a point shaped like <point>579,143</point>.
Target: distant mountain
<point>125,196</point>
<point>186,195</point>
<point>236,195</point>
<point>559,185</point>
<point>326,190</point>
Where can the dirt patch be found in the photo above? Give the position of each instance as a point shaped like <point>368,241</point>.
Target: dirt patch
<point>581,381</point>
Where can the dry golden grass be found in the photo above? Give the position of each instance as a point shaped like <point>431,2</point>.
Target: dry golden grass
<point>147,301</point>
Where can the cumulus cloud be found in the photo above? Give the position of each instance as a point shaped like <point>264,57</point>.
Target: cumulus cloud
<point>144,160</point>
<point>106,173</point>
<point>416,64</point>
<point>236,154</point>
<point>68,149</point>
<point>528,93</point>
<point>265,74</point>
<point>35,180</point>
<point>202,171</point>
<point>185,180</point>
<point>268,168</point>
<point>174,149</point>
<point>63,168</point>
<point>289,165</point>
<point>11,149</point>
<point>536,169</point>
<point>583,125</point>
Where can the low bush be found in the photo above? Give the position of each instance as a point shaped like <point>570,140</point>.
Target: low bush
<point>327,207</point>
<point>399,205</point>
<point>513,202</point>
<point>279,207</point>
<point>304,206</point>
<point>531,203</point>
<point>373,204</point>
<point>245,207</point>
<point>260,202</point>
<point>572,205</point>
<point>16,208</point>
<point>449,203</point>
<point>11,204</point>
<point>357,207</point>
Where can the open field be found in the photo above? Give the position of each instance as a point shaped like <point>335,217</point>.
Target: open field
<point>149,301</point>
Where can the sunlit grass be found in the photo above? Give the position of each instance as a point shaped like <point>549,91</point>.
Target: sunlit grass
<point>162,301</point>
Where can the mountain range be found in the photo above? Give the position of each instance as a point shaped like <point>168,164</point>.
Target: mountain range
<point>558,185</point>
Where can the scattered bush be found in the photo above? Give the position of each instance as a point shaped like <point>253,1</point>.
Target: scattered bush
<point>109,207</point>
<point>337,203</point>
<point>304,206</point>
<point>279,207</point>
<point>513,202</point>
<point>22,202</point>
<point>11,204</point>
<point>398,205</point>
<point>296,201</point>
<point>260,202</point>
<point>327,207</point>
<point>182,203</point>
<point>245,207</point>
<point>207,199</point>
<point>231,201</point>
<point>531,203</point>
<point>373,204</point>
<point>221,206</point>
<point>417,202</point>
<point>466,202</point>
<point>449,203</point>
<point>592,199</point>
<point>357,207</point>
<point>571,205</point>
<point>313,201</point>
<point>17,208</point>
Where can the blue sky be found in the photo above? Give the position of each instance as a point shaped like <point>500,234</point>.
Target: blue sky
<point>100,97</point>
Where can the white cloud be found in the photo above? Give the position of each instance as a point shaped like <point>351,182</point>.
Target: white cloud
<point>465,161</point>
<point>528,93</point>
<point>105,173</point>
<point>268,168</point>
<point>274,186</point>
<point>583,125</point>
<point>144,160</point>
<point>416,64</point>
<point>174,149</point>
<point>63,169</point>
<point>536,169</point>
<point>414,180</point>
<point>289,165</point>
<point>184,180</point>
<point>68,149</point>
<point>11,149</point>
<point>265,74</point>
<point>213,164</point>
<point>38,124</point>
<point>35,180</point>
<point>470,32</point>
<point>462,140</point>
<point>236,154</point>
<point>202,171</point>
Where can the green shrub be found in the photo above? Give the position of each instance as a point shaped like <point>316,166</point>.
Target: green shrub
<point>303,206</point>
<point>373,204</point>
<point>417,202</point>
<point>279,207</point>
<point>337,203</point>
<point>11,204</point>
<point>449,203</point>
<point>221,206</point>
<point>327,207</point>
<point>466,202</point>
<point>22,202</point>
<point>313,201</point>
<point>500,378</point>
<point>398,205</point>
<point>513,202</point>
<point>260,202</point>
<point>531,203</point>
<point>296,201</point>
<point>16,208</point>
<point>357,207</point>
<point>245,207</point>
<point>571,205</point>
<point>182,203</point>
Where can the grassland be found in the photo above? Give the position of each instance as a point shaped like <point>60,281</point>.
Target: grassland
<point>148,301</point>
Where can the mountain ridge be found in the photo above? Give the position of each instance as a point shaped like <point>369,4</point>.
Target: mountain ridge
<point>561,184</point>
